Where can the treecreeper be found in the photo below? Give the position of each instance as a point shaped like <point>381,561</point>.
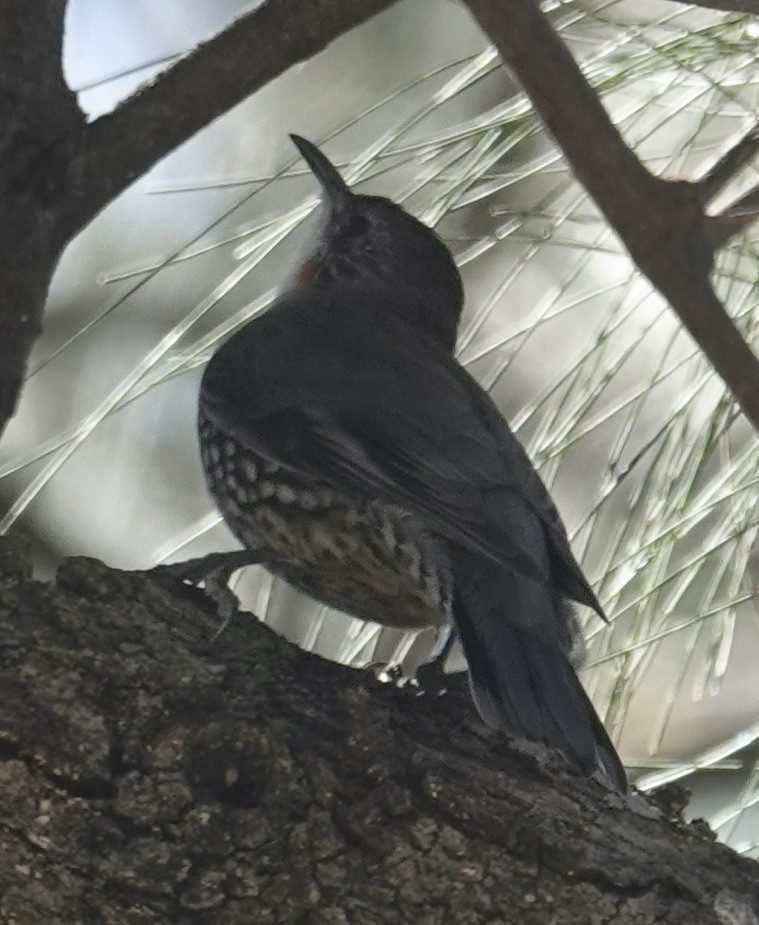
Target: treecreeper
<point>352,455</point>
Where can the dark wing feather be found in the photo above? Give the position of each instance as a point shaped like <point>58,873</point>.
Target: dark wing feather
<point>566,570</point>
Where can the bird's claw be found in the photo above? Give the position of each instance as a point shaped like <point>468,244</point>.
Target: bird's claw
<point>432,678</point>
<point>214,572</point>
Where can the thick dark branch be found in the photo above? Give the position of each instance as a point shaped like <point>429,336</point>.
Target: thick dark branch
<point>217,75</point>
<point>254,783</point>
<point>662,224</point>
<point>31,83</point>
<point>37,110</point>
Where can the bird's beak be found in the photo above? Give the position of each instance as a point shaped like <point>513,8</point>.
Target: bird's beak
<point>336,191</point>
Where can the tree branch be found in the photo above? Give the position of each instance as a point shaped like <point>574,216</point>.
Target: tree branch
<point>661,223</point>
<point>147,779</point>
<point>57,172</point>
<point>218,74</point>
<point>36,107</point>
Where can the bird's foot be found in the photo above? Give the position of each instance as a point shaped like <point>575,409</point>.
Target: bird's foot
<point>387,672</point>
<point>214,572</point>
<point>431,677</point>
<point>194,571</point>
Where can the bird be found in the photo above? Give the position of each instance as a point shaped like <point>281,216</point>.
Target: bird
<point>355,458</point>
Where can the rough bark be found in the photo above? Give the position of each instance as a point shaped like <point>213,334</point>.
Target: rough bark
<point>37,113</point>
<point>148,779</point>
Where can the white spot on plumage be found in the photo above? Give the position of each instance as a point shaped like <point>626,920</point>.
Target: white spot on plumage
<point>307,500</point>
<point>352,518</point>
<point>388,535</point>
<point>250,469</point>
<point>285,494</point>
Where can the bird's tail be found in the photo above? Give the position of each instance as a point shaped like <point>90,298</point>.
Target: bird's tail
<point>524,682</point>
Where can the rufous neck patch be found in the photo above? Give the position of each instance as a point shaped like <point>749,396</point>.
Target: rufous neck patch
<point>306,275</point>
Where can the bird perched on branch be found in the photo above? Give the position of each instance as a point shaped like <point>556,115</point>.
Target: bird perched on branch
<point>351,454</point>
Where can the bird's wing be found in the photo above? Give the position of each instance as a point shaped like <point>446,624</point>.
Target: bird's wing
<point>381,412</point>
<point>565,568</point>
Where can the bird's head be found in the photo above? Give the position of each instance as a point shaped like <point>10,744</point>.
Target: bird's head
<point>371,239</point>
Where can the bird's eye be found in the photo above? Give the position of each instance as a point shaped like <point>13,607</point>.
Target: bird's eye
<point>357,226</point>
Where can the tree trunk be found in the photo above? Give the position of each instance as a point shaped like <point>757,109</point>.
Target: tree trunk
<point>148,778</point>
